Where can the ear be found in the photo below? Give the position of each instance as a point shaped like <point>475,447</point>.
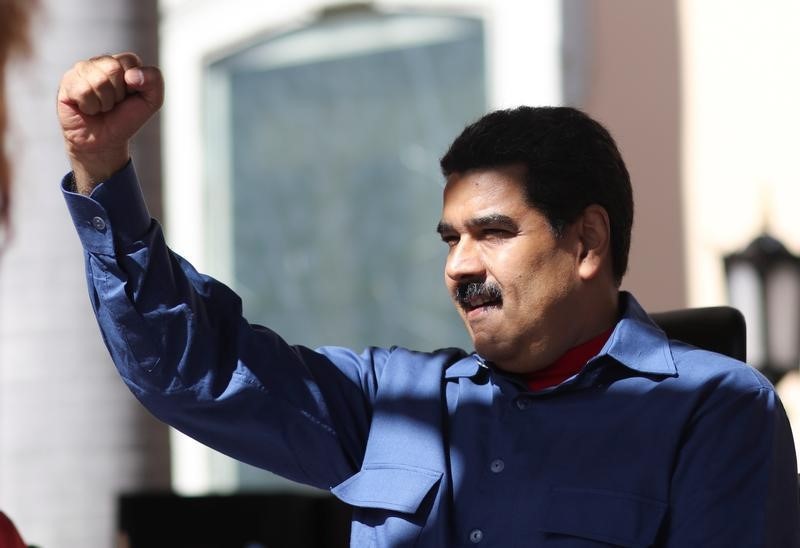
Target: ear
<point>594,234</point>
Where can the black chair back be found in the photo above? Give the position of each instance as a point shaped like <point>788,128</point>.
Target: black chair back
<point>720,329</point>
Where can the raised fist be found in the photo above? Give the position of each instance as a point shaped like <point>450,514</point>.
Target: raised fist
<point>102,103</point>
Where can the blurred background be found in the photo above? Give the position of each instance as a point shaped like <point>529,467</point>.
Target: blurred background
<point>296,159</point>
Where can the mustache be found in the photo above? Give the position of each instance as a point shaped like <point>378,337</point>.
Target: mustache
<point>467,291</point>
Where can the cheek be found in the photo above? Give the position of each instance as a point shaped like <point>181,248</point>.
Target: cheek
<point>563,277</point>
<point>546,281</point>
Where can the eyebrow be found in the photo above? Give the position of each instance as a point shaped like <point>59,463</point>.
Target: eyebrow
<point>444,227</point>
<point>494,219</point>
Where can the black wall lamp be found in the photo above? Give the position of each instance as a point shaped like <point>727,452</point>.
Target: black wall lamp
<point>764,284</point>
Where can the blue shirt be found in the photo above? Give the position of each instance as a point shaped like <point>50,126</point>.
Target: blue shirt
<point>653,443</point>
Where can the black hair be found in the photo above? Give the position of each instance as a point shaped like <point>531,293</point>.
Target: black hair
<point>571,162</point>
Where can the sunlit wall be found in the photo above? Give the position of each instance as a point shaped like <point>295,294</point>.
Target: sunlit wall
<point>741,113</point>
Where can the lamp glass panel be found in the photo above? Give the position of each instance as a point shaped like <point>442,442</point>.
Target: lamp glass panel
<point>783,316</point>
<point>745,289</point>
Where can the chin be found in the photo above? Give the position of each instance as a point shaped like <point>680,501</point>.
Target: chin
<point>486,349</point>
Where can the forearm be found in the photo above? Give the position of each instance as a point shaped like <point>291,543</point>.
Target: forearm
<point>89,171</point>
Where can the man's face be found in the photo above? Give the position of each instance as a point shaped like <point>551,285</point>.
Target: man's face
<point>513,282</point>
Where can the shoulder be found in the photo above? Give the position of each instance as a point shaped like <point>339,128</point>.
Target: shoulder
<point>395,368</point>
<point>405,365</point>
<point>379,357</point>
<point>702,368</point>
<point>441,356</point>
<point>718,390</point>
<point>645,347</point>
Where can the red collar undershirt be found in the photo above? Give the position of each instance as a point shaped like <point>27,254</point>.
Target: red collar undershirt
<point>567,365</point>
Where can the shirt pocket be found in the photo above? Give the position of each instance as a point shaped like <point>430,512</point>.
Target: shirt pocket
<point>601,518</point>
<point>391,503</point>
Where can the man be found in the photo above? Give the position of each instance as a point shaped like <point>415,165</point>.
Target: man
<point>575,423</point>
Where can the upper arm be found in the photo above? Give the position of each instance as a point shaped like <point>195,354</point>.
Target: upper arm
<point>180,342</point>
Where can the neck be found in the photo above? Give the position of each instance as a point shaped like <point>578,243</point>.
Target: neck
<point>601,313</point>
<point>597,311</point>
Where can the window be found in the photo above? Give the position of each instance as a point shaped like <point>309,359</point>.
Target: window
<point>323,186</point>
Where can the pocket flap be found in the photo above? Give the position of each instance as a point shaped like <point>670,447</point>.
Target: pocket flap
<point>390,487</point>
<point>606,516</point>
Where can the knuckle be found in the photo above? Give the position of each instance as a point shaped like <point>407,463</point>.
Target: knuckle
<point>105,63</point>
<point>99,58</point>
<point>128,56</point>
<point>80,67</point>
<point>81,89</point>
<point>98,80</point>
<point>114,72</point>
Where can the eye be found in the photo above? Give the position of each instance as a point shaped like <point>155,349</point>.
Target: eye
<point>450,239</point>
<point>490,233</point>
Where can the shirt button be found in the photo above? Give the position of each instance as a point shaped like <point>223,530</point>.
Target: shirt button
<point>98,223</point>
<point>523,404</point>
<point>475,536</point>
<point>497,466</point>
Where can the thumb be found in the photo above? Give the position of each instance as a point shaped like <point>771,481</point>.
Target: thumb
<point>148,84</point>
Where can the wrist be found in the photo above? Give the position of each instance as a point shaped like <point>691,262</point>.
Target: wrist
<point>89,170</point>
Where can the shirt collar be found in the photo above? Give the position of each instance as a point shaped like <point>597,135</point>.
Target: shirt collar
<point>636,342</point>
<point>468,366</point>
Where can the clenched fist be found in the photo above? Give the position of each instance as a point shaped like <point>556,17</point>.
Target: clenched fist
<point>102,103</point>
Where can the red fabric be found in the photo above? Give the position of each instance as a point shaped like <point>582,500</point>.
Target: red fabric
<point>567,365</point>
<point>9,537</point>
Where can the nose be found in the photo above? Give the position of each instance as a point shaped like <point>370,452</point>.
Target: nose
<point>464,261</point>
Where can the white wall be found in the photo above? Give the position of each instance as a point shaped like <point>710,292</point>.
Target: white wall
<point>741,87</point>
